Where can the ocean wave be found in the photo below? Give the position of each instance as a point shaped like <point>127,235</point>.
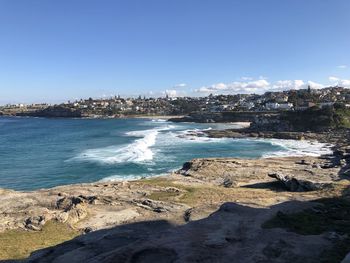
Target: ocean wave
<point>138,151</point>
<point>297,148</point>
<point>129,177</point>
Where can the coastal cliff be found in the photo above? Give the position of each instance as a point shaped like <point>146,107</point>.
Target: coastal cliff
<point>281,209</point>
<point>53,112</point>
<point>209,210</point>
<point>229,116</point>
<point>312,119</point>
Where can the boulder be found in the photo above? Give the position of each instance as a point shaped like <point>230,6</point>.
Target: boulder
<point>74,209</point>
<point>227,183</point>
<point>35,223</point>
<point>187,214</point>
<point>293,184</point>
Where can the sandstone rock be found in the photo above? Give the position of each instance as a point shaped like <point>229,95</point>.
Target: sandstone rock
<point>151,205</point>
<point>316,165</point>
<point>231,234</point>
<point>172,190</point>
<point>227,183</point>
<point>67,203</point>
<point>35,223</point>
<point>74,209</point>
<point>303,162</point>
<point>62,217</point>
<point>297,185</point>
<point>187,214</point>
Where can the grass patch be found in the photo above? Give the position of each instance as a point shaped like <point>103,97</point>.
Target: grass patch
<point>332,216</point>
<point>189,195</point>
<point>194,195</point>
<point>155,181</point>
<point>163,196</point>
<point>18,244</point>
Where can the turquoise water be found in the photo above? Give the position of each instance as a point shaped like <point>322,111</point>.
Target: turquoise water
<point>40,153</point>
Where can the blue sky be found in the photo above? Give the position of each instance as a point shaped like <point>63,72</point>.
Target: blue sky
<point>59,50</point>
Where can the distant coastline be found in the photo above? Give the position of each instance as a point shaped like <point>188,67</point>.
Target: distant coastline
<point>199,189</point>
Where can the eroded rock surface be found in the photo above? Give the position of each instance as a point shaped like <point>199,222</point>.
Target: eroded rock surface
<point>232,232</point>
<point>181,217</point>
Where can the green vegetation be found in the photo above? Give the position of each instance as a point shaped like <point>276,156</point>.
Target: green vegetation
<point>316,119</point>
<point>163,195</point>
<point>342,115</point>
<point>18,244</point>
<point>333,215</point>
<point>186,195</point>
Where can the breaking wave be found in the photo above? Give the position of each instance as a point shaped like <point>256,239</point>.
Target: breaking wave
<point>298,148</point>
<point>138,151</point>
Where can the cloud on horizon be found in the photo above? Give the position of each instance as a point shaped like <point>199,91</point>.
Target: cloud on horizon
<point>257,86</point>
<point>247,86</point>
<point>173,93</point>
<point>181,85</point>
<point>340,82</point>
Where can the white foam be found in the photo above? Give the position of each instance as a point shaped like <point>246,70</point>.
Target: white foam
<point>130,177</point>
<point>159,120</point>
<point>298,148</point>
<point>137,151</point>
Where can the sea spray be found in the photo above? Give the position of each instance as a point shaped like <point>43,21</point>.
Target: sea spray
<point>138,151</point>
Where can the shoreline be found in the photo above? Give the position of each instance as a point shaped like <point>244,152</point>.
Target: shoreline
<point>235,133</point>
<point>137,116</point>
<point>195,193</point>
<point>290,153</point>
<point>201,186</point>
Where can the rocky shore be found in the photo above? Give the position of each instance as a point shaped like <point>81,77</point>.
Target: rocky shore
<point>291,209</point>
<point>211,210</point>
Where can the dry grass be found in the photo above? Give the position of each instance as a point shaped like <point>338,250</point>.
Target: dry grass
<point>210,194</point>
<point>18,244</point>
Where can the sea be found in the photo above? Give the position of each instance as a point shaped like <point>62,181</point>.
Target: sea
<point>40,153</point>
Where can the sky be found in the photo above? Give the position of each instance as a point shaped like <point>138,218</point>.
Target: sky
<point>53,51</point>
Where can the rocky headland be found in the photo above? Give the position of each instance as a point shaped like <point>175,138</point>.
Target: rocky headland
<point>211,210</point>
<point>290,209</point>
<point>56,111</point>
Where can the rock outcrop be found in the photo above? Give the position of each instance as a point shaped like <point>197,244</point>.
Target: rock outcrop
<point>228,172</point>
<point>180,217</point>
<point>295,184</point>
<point>232,232</point>
<point>232,116</point>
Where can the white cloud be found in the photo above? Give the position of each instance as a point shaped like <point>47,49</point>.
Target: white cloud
<point>315,85</point>
<point>340,82</point>
<point>258,86</point>
<point>173,93</point>
<point>181,85</point>
<point>345,83</point>
<point>263,77</point>
<point>342,66</point>
<point>288,84</point>
<point>236,87</point>
<point>333,79</point>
